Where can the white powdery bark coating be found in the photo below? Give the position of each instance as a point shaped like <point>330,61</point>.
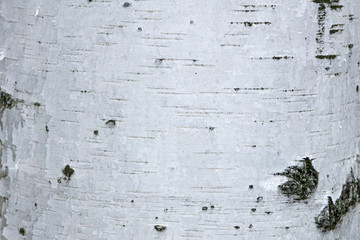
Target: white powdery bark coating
<point>205,104</point>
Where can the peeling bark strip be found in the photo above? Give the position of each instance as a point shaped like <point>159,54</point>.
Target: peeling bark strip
<point>332,214</point>
<point>304,180</point>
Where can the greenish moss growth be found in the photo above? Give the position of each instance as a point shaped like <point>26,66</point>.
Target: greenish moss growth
<point>332,214</point>
<point>22,231</point>
<point>68,172</point>
<point>302,181</point>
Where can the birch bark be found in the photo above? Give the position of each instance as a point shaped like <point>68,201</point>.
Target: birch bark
<point>175,114</point>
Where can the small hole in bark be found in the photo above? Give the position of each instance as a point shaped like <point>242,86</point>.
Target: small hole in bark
<point>212,206</point>
<point>251,186</point>
<point>250,226</point>
<point>357,88</point>
<point>47,128</point>
<point>253,209</point>
<point>35,204</point>
<point>96,132</point>
<point>236,227</point>
<point>139,29</point>
<point>191,22</point>
<point>204,208</point>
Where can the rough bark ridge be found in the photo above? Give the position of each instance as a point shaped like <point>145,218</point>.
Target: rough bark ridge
<point>174,117</point>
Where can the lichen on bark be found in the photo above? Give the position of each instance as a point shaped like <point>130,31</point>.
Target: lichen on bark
<point>6,102</point>
<point>302,181</point>
<point>333,213</point>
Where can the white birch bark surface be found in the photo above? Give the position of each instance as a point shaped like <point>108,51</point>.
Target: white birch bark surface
<point>208,97</point>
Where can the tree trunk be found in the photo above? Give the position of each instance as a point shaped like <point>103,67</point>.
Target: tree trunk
<point>170,119</point>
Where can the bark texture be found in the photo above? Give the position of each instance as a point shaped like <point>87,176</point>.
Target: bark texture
<point>153,119</point>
